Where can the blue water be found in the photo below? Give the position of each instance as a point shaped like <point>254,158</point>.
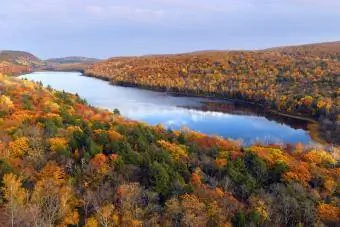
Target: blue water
<point>159,108</point>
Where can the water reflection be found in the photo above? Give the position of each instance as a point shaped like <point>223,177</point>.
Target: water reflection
<point>222,118</point>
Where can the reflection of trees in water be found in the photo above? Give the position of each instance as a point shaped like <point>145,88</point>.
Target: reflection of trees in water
<point>238,108</point>
<point>323,131</point>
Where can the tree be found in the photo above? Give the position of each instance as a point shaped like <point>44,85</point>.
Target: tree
<point>6,103</point>
<point>176,151</point>
<point>129,196</point>
<point>52,195</point>
<point>106,216</point>
<point>329,213</point>
<point>159,178</point>
<point>195,212</point>
<point>173,211</point>
<point>116,112</point>
<point>15,196</point>
<point>19,147</point>
<point>58,144</point>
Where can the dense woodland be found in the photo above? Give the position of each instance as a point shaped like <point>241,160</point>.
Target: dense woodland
<point>65,163</point>
<point>17,62</point>
<point>302,80</point>
<point>9,68</point>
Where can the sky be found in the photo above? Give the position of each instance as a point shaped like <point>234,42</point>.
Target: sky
<point>107,28</point>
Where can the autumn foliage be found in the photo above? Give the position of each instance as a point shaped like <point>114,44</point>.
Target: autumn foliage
<point>300,80</point>
<point>64,163</point>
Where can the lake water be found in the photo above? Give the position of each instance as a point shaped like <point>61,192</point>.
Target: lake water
<point>223,118</point>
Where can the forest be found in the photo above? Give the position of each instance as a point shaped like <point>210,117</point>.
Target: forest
<point>17,62</point>
<point>301,81</point>
<point>65,163</point>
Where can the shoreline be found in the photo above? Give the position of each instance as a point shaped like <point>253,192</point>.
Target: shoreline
<point>307,120</point>
<point>183,94</point>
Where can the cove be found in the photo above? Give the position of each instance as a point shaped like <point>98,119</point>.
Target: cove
<point>210,116</point>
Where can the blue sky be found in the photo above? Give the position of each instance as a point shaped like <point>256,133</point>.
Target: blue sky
<point>106,28</point>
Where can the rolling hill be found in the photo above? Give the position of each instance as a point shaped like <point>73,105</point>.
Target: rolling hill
<point>73,59</point>
<point>19,57</point>
<point>17,62</point>
<point>74,63</point>
<point>20,62</point>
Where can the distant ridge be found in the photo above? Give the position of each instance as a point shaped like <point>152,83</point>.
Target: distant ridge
<point>72,59</point>
<point>18,57</point>
<point>308,45</point>
<point>19,62</point>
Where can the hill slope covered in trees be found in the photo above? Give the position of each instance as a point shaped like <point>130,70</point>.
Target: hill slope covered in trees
<point>17,62</point>
<point>300,80</point>
<point>63,163</point>
<point>69,64</point>
<point>21,62</point>
<point>70,60</point>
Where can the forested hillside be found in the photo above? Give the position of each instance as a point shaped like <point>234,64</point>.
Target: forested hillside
<point>65,163</point>
<point>17,62</point>
<point>79,64</point>
<point>301,80</point>
<point>72,60</point>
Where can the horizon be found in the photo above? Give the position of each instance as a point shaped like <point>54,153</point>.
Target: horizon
<point>104,29</point>
<point>179,53</point>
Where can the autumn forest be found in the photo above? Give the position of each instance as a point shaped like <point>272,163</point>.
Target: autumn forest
<point>64,162</point>
<point>300,81</point>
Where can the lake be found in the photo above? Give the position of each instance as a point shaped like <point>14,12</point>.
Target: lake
<point>210,116</point>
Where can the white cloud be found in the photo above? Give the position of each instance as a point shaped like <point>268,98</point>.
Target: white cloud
<point>125,12</point>
<point>203,5</point>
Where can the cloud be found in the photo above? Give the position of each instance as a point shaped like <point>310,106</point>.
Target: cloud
<point>125,12</point>
<point>325,3</point>
<point>203,5</point>
<point>134,27</point>
<point>154,11</point>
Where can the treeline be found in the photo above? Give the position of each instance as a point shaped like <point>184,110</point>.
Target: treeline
<point>295,80</point>
<point>65,163</point>
<point>13,69</point>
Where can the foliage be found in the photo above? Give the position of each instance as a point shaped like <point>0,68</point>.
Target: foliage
<point>300,80</point>
<point>63,163</point>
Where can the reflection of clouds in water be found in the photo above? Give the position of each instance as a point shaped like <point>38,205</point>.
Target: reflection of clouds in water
<point>196,118</point>
<point>156,110</point>
<point>174,123</point>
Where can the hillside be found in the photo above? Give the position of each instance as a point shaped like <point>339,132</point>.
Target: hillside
<point>13,69</point>
<point>299,80</point>
<point>17,62</point>
<point>69,64</point>
<point>322,50</point>
<point>20,62</point>
<point>63,163</point>
<point>72,60</point>
<point>19,57</point>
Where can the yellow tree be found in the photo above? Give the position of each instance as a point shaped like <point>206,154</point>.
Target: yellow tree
<point>18,147</point>
<point>195,212</point>
<point>14,194</point>
<point>6,103</point>
<point>53,195</point>
<point>107,217</point>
